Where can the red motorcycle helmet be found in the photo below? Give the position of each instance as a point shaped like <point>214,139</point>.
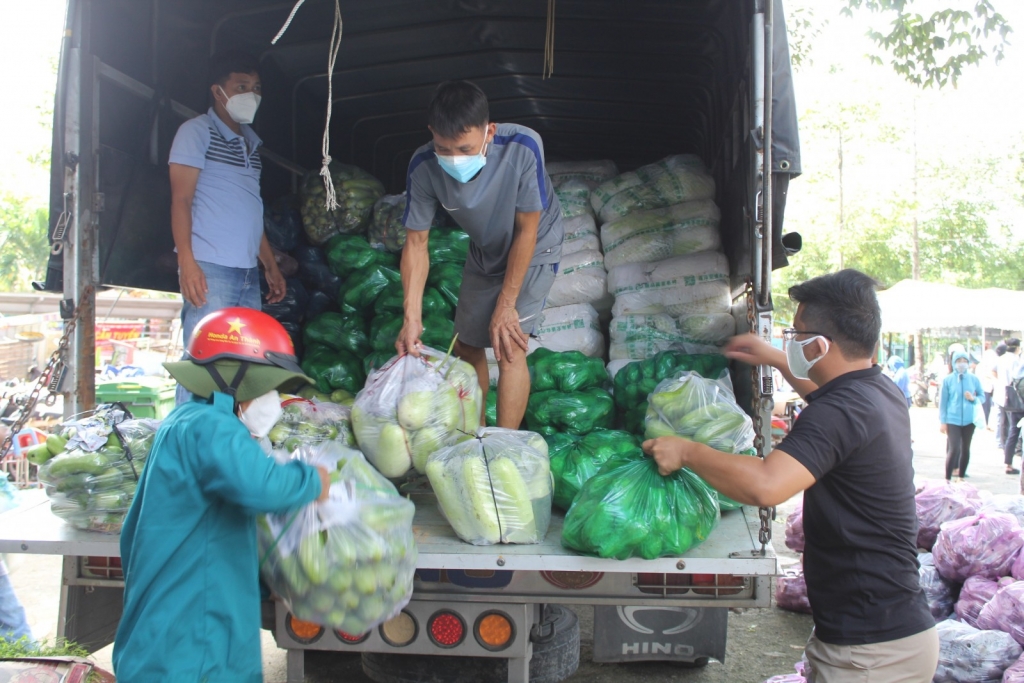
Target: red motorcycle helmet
<point>242,334</point>
<point>254,343</point>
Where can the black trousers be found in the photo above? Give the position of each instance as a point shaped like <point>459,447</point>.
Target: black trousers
<point>958,448</point>
<point>986,406</point>
<point>1010,419</point>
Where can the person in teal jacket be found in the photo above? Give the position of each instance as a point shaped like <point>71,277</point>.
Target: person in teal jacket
<point>957,401</point>
<point>188,544</point>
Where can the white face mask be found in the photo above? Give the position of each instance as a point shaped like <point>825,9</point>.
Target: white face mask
<point>262,413</point>
<point>242,107</point>
<point>798,363</point>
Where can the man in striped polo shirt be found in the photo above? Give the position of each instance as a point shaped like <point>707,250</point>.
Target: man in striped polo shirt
<point>492,180</point>
<point>216,209</point>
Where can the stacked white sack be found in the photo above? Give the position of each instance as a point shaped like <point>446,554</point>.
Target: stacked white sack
<point>593,173</point>
<point>658,234</point>
<point>571,328</point>
<point>673,180</point>
<point>636,337</point>
<point>679,286</point>
<point>581,279</point>
<point>580,234</point>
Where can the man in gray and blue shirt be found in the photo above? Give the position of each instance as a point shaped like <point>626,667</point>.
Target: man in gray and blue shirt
<point>492,180</point>
<point>216,209</point>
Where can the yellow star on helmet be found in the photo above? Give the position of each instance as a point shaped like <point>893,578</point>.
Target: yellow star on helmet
<point>235,325</point>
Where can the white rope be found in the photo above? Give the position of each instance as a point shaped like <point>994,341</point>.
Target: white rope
<point>288,22</point>
<point>325,171</point>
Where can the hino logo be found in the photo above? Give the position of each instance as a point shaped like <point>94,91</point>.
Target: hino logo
<point>687,618</point>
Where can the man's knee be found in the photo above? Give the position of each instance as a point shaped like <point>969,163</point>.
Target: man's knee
<point>514,360</point>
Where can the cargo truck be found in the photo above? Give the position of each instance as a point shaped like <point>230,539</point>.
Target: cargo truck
<point>630,81</point>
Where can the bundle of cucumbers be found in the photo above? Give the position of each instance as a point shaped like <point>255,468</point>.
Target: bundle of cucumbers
<point>495,488</point>
<point>305,421</point>
<point>346,562</point>
<point>702,410</point>
<point>94,467</point>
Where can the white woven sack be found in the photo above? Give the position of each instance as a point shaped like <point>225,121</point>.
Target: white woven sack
<point>591,172</point>
<point>571,328</point>
<point>581,279</point>
<point>580,232</point>
<point>674,179</point>
<point>659,234</point>
<point>683,285</point>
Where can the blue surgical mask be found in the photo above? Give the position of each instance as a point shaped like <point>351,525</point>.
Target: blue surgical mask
<point>465,166</point>
<point>961,368</point>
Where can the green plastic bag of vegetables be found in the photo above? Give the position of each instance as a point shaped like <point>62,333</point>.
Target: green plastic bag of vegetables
<point>356,192</point>
<point>635,419</point>
<point>392,302</point>
<point>565,371</point>
<point>363,287</point>
<point>348,253</point>
<point>579,412</point>
<point>376,360</point>
<point>575,459</point>
<point>338,331</point>
<point>635,382</point>
<point>702,410</point>
<point>492,407</point>
<point>437,331</point>
<point>448,245</point>
<point>495,488</point>
<point>629,510</point>
<point>346,562</point>
<point>333,369</point>
<point>447,279</point>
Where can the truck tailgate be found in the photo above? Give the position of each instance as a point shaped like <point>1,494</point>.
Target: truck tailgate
<point>732,547</point>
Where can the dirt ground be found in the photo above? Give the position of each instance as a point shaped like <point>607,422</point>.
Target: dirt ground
<point>761,642</point>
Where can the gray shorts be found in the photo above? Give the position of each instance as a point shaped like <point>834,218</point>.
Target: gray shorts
<point>479,295</point>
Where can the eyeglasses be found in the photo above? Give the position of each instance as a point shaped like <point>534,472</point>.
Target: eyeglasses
<point>790,334</point>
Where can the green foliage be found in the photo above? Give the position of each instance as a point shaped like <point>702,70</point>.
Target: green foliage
<point>26,648</point>
<point>933,49</point>
<point>957,245</point>
<point>24,243</point>
<point>802,28</point>
<point>60,648</point>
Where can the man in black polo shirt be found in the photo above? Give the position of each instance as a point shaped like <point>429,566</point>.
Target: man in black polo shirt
<point>850,454</point>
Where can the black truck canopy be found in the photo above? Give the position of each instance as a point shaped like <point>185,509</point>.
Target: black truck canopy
<point>633,80</point>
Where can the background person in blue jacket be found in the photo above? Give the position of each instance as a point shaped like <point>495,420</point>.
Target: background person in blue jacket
<point>898,374</point>
<point>188,544</point>
<point>957,401</point>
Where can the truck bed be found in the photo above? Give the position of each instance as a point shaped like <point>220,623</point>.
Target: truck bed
<point>731,549</point>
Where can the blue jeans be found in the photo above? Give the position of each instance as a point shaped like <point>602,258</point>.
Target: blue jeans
<point>226,287</point>
<point>13,623</point>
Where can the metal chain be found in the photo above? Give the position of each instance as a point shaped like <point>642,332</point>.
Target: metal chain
<point>56,358</point>
<point>766,514</point>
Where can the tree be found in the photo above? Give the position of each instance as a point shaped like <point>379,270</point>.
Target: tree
<point>24,243</point>
<point>933,49</point>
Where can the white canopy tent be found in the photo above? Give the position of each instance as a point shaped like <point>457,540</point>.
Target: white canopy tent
<point>912,305</point>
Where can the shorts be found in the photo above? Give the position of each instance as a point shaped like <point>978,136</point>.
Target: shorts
<point>479,295</point>
<point>907,660</point>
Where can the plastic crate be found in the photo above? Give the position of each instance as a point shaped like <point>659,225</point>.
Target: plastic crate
<point>144,396</point>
